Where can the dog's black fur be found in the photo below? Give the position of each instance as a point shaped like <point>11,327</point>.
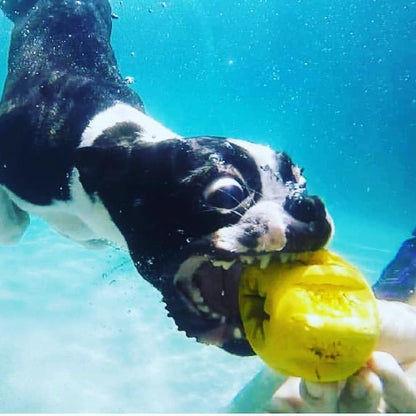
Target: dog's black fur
<point>176,204</point>
<point>61,73</point>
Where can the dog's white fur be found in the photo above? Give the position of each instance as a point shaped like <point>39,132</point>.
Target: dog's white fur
<point>81,219</point>
<point>151,130</point>
<point>13,221</point>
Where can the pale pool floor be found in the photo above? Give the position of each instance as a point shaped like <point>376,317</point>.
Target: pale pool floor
<point>82,332</point>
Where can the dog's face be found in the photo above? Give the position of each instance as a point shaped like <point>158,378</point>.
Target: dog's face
<point>194,211</point>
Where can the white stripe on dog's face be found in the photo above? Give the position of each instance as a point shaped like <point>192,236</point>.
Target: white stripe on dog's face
<point>150,129</point>
<point>266,161</point>
<point>267,213</point>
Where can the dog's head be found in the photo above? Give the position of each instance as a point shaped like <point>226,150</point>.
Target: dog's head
<point>194,211</point>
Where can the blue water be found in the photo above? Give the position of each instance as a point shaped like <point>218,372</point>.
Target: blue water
<point>331,82</point>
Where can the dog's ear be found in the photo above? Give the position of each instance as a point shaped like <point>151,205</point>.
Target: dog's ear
<point>101,166</point>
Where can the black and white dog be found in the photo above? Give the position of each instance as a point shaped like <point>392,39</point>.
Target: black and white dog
<point>77,149</point>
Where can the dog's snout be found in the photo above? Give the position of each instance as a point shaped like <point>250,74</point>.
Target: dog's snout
<point>305,208</point>
<point>311,227</point>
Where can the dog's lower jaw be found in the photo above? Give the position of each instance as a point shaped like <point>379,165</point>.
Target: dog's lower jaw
<point>221,332</point>
<point>203,298</point>
<point>221,329</point>
<point>200,283</point>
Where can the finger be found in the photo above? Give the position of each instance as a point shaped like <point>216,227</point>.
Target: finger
<point>287,398</point>
<point>283,405</point>
<point>362,393</point>
<point>399,392</point>
<point>319,397</point>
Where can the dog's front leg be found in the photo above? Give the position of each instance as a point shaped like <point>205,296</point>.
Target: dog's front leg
<point>13,220</point>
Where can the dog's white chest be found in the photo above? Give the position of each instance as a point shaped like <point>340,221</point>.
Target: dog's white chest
<point>81,219</point>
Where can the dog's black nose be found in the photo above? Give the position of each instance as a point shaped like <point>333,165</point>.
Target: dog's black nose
<point>311,227</point>
<point>305,208</point>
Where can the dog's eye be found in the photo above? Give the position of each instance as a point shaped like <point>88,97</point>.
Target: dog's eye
<point>224,193</point>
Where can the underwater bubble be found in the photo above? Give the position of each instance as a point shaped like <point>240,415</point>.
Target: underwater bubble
<point>129,80</point>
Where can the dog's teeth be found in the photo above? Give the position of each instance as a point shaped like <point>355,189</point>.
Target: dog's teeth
<point>265,260</point>
<point>237,333</point>
<point>196,296</point>
<point>284,257</point>
<point>204,308</point>
<point>226,265</point>
<point>215,315</point>
<point>247,259</point>
<point>291,257</point>
<point>223,319</point>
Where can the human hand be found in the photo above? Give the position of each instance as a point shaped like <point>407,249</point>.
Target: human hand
<point>381,386</point>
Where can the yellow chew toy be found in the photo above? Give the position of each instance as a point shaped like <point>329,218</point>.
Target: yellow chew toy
<point>314,318</point>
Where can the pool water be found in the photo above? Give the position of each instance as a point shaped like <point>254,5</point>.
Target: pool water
<point>330,82</point>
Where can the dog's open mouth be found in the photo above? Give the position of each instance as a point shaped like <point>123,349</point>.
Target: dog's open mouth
<point>210,289</point>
